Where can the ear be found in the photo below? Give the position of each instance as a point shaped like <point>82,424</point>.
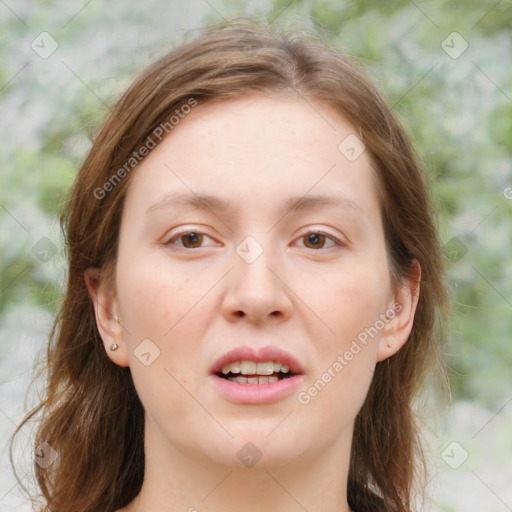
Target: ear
<point>106,310</point>
<point>400,315</point>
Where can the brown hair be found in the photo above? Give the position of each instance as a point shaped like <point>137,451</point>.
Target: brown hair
<point>91,413</point>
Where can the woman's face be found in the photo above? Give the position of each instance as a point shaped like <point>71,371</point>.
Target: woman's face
<point>285,261</point>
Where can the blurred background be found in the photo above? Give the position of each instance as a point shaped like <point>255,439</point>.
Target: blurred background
<point>445,68</point>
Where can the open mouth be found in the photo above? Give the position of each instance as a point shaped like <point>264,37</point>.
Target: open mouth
<point>251,372</point>
<point>248,376</point>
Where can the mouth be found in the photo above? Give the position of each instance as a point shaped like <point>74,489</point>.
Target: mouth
<point>248,376</point>
<point>254,373</point>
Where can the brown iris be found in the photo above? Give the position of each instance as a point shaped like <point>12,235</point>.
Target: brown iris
<point>192,239</point>
<point>315,238</point>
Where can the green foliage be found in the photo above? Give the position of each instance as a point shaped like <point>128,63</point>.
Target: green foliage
<point>457,110</point>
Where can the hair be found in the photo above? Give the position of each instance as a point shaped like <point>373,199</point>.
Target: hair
<point>90,412</point>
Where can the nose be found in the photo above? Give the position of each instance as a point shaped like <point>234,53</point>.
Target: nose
<point>257,290</point>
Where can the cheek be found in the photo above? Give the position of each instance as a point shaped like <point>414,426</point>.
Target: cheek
<point>344,361</point>
<point>156,297</point>
<point>157,304</point>
<point>347,301</point>
<point>334,397</point>
<point>167,304</point>
<point>351,305</point>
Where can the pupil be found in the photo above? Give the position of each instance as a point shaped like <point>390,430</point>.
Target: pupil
<point>315,238</point>
<point>191,238</point>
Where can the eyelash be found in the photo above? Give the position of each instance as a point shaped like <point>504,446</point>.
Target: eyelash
<point>177,236</point>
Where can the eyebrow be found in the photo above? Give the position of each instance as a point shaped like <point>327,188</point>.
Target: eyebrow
<point>201,202</point>
<point>218,204</point>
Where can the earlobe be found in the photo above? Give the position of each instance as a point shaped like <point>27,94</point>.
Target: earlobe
<point>107,320</point>
<point>401,317</point>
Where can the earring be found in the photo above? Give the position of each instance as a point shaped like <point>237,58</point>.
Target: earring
<point>113,347</point>
<point>115,318</point>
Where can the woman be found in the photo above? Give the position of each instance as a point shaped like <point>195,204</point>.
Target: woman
<point>254,295</point>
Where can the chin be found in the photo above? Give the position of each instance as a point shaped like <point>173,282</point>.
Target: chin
<point>257,448</point>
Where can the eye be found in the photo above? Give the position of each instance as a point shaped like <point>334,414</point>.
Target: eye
<point>317,240</point>
<point>188,239</point>
<point>194,239</point>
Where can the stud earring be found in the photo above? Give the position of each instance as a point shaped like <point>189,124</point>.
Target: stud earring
<point>113,347</point>
<point>115,318</point>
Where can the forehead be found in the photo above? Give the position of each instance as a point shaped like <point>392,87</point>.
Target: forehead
<point>258,147</point>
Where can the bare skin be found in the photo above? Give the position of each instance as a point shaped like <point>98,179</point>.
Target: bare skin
<point>310,296</point>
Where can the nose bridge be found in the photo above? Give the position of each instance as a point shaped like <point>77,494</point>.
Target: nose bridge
<point>256,290</point>
<point>254,259</point>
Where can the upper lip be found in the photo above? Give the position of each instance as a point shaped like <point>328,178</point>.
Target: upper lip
<point>261,355</point>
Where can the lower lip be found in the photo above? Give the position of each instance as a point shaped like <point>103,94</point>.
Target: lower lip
<point>256,393</point>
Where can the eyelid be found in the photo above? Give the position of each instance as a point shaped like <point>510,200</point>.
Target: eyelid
<point>337,241</point>
<point>185,231</point>
<point>311,229</point>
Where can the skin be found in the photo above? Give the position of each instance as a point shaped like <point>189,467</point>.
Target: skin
<point>310,297</point>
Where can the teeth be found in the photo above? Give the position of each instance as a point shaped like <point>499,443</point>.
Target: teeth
<point>234,367</point>
<point>248,367</point>
<point>253,368</point>
<point>266,368</point>
<point>254,380</point>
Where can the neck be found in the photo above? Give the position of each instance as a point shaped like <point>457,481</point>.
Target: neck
<point>177,480</point>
